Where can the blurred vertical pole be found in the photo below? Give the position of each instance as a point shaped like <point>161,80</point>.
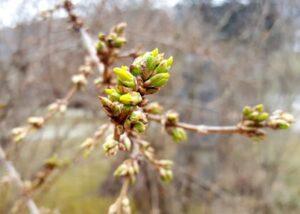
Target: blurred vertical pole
<point>13,173</point>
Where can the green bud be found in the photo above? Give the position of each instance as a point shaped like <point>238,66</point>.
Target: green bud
<point>100,46</point>
<point>107,104</point>
<point>166,175</point>
<point>284,125</point>
<point>253,115</point>
<point>132,98</point>
<point>101,36</point>
<point>262,117</point>
<point>259,108</point>
<point>139,127</point>
<point>119,28</point>
<point>119,42</point>
<point>178,135</point>
<point>113,94</point>
<point>121,170</point>
<point>172,117</point>
<point>138,115</point>
<point>125,77</point>
<point>164,66</point>
<point>154,108</point>
<point>247,110</point>
<point>158,80</point>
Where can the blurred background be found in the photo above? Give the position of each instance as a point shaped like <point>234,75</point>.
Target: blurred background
<point>227,54</point>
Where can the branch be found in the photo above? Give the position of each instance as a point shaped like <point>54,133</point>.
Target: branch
<point>13,173</point>
<point>205,130</point>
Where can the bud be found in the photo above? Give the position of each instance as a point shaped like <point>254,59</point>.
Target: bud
<point>125,142</point>
<point>139,127</point>
<point>166,175</point>
<point>262,117</point>
<point>79,80</point>
<point>85,70</point>
<point>138,115</point>
<point>36,122</point>
<point>125,77</point>
<point>110,146</point>
<point>132,98</point>
<point>121,170</point>
<point>101,36</point>
<point>178,134</point>
<point>247,110</point>
<point>118,42</point>
<point>129,168</point>
<point>167,164</point>
<point>19,133</point>
<point>278,124</point>
<point>153,108</point>
<point>119,28</point>
<point>259,108</point>
<point>100,46</point>
<point>53,162</point>
<point>158,80</point>
<point>88,146</point>
<point>164,66</point>
<point>172,117</point>
<point>112,93</point>
<point>287,117</point>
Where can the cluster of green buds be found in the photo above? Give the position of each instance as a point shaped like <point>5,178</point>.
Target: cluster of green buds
<point>114,40</point>
<point>256,117</point>
<point>124,102</point>
<point>178,134</point>
<point>129,168</point>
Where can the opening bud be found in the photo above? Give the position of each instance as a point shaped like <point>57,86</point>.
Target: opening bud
<point>125,77</point>
<point>131,98</point>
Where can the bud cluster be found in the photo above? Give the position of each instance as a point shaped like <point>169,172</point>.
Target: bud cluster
<point>122,206</point>
<point>124,102</point>
<point>256,117</point>
<point>129,168</point>
<point>111,41</point>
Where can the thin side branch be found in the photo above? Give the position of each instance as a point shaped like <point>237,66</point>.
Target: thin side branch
<point>203,129</point>
<point>13,173</point>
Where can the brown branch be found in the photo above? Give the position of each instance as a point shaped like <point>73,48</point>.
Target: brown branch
<point>205,129</point>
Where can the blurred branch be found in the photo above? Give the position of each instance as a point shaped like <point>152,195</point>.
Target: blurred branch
<point>13,173</point>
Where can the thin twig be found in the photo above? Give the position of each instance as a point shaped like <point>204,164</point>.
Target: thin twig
<point>13,173</point>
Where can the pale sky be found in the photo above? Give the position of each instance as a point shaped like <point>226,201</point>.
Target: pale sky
<point>9,9</point>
